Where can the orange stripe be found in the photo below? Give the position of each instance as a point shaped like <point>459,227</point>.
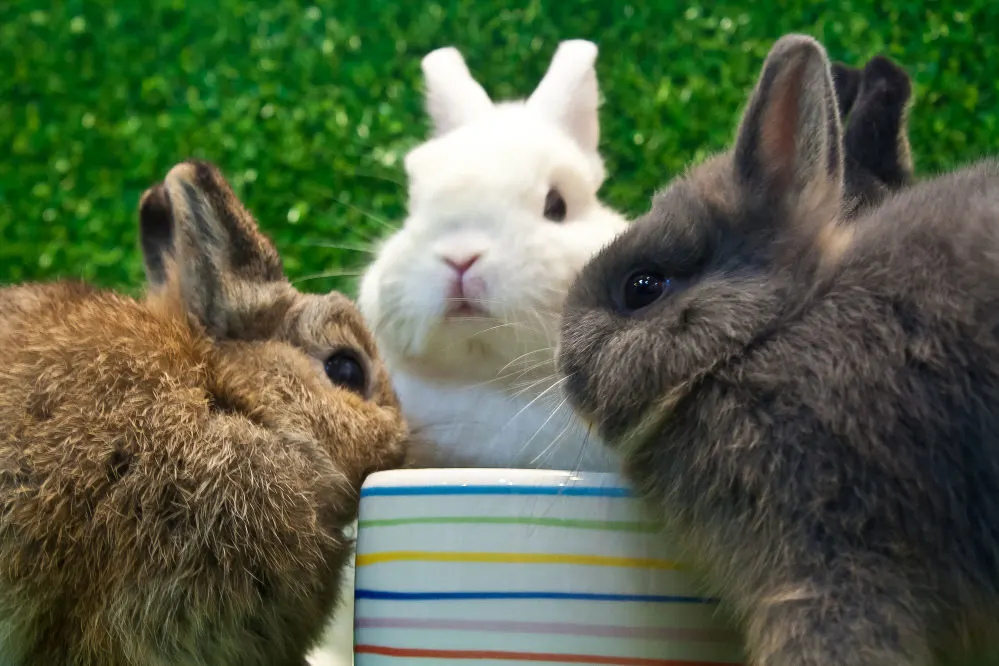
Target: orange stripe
<point>417,653</point>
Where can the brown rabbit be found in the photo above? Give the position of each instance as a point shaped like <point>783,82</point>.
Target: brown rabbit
<point>175,472</point>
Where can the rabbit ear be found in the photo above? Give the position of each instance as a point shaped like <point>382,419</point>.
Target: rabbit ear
<point>568,92</point>
<point>213,248</point>
<point>453,96</point>
<point>155,233</point>
<point>789,146</point>
<point>846,81</point>
<point>877,135</point>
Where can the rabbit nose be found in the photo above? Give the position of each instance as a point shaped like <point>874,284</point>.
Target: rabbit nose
<point>462,264</point>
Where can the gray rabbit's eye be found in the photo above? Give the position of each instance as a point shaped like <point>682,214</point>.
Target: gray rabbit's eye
<point>345,370</point>
<point>644,288</point>
<point>555,206</point>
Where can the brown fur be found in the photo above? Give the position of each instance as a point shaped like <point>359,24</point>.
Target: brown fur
<point>174,478</point>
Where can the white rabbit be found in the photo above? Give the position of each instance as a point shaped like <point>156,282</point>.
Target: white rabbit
<point>466,297</point>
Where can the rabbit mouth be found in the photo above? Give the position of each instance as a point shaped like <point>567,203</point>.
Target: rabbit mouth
<point>461,307</point>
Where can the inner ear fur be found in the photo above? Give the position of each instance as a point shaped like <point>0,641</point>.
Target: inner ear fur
<point>788,150</point>
<point>216,257</point>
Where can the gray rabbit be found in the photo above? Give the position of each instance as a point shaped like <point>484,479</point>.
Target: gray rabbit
<point>813,404</point>
<point>874,103</point>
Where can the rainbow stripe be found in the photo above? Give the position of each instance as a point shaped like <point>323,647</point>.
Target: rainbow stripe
<point>550,657</point>
<point>568,573</point>
<point>385,595</point>
<point>566,523</point>
<point>369,559</point>
<point>566,628</point>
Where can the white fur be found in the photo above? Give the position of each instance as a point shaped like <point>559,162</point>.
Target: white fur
<point>483,388</point>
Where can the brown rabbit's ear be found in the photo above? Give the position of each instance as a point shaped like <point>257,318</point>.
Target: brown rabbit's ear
<point>789,146</point>
<point>213,248</point>
<point>155,233</point>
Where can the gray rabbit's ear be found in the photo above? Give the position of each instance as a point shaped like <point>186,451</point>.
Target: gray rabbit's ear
<point>568,92</point>
<point>208,246</point>
<point>877,136</point>
<point>789,147</point>
<point>846,81</point>
<point>453,97</point>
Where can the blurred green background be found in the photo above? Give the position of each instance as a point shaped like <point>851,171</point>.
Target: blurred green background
<point>309,106</point>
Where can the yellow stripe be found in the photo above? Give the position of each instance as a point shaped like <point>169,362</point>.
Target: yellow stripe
<point>515,558</point>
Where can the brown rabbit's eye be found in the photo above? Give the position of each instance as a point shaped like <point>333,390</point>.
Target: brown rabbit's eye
<point>643,289</point>
<point>555,206</point>
<point>345,370</point>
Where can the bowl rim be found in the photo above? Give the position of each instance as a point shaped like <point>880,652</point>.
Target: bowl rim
<point>457,477</point>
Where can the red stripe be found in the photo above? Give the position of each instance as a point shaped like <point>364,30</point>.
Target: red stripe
<point>529,656</point>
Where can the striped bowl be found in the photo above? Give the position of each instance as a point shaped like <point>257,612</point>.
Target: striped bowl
<point>499,566</point>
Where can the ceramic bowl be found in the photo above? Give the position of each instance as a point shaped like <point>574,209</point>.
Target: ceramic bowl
<point>499,566</point>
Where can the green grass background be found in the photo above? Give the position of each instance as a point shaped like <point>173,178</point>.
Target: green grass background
<point>309,106</point>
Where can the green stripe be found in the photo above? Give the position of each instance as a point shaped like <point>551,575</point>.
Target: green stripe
<point>609,525</point>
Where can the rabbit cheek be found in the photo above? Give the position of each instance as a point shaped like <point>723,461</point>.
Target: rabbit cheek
<point>363,438</point>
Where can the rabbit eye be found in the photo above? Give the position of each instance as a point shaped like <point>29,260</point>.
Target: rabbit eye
<point>643,289</point>
<point>554,206</point>
<point>346,371</point>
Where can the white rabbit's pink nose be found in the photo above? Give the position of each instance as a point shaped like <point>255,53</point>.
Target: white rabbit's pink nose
<point>461,264</point>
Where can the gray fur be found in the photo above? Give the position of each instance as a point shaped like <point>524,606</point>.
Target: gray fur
<point>814,407</point>
<point>875,101</point>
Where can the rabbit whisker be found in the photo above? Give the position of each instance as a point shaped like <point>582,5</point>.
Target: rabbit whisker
<point>542,427</point>
<point>366,249</point>
<point>554,385</point>
<point>509,324</point>
<point>367,214</point>
<point>529,368</point>
<point>375,176</point>
<point>549,450</point>
<point>327,274</point>
<point>515,360</point>
<point>582,449</point>
<point>524,387</point>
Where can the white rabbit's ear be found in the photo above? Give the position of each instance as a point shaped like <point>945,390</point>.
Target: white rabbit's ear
<point>568,92</point>
<point>453,96</point>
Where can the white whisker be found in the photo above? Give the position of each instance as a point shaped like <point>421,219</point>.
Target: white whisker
<point>367,214</point>
<point>376,176</point>
<point>366,249</point>
<point>542,427</point>
<point>536,398</point>
<point>530,353</point>
<point>550,449</point>
<point>524,387</point>
<point>327,274</point>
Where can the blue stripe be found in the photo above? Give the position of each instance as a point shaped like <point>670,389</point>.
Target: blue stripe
<point>586,491</point>
<point>360,593</point>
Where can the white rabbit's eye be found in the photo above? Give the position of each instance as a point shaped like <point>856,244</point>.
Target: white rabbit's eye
<point>644,288</point>
<point>554,206</point>
<point>345,370</point>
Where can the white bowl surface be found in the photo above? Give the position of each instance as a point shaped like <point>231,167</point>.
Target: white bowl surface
<point>501,566</point>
